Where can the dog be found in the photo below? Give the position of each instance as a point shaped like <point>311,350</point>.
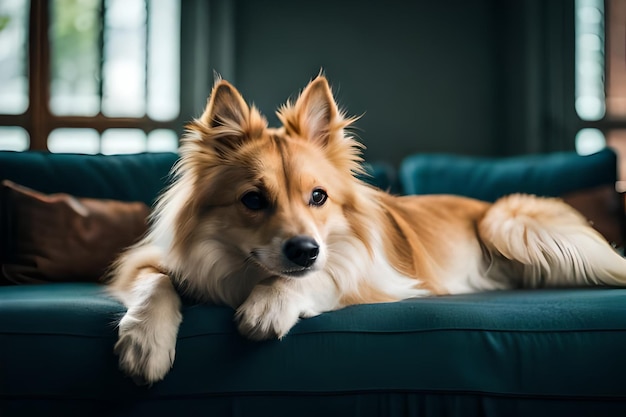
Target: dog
<point>276,223</point>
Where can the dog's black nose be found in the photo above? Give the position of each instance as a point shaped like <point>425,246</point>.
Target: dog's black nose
<point>301,250</point>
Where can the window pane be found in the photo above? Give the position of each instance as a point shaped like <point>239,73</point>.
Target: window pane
<point>13,138</point>
<point>589,141</point>
<point>162,140</point>
<point>590,103</point>
<point>75,57</point>
<point>124,67</point>
<point>163,59</point>
<point>13,56</point>
<point>68,140</point>
<point>117,141</point>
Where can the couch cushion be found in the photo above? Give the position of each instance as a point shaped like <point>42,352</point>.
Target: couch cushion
<point>548,352</point>
<point>488,179</point>
<point>137,177</point>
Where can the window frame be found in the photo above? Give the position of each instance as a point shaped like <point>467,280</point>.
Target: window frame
<point>37,119</point>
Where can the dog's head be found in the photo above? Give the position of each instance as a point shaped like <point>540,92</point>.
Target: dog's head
<point>274,197</point>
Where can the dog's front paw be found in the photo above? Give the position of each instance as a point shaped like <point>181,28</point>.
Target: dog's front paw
<point>146,350</point>
<point>267,313</point>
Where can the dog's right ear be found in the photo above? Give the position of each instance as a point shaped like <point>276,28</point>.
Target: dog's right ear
<point>227,120</point>
<point>226,107</point>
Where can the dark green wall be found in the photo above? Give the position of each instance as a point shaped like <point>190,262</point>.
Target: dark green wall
<point>421,73</point>
<point>477,77</point>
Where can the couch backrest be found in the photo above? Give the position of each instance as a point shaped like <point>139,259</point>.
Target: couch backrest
<point>137,177</point>
<point>140,177</point>
<point>382,175</point>
<point>553,174</point>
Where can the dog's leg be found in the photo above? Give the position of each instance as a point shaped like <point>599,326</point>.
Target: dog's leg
<point>275,305</point>
<point>552,242</point>
<point>148,330</point>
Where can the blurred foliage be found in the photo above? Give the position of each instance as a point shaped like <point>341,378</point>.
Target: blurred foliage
<point>4,21</point>
<point>75,38</point>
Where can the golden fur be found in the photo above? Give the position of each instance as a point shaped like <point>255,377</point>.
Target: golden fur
<point>274,223</point>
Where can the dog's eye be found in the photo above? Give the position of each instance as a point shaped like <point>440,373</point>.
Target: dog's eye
<point>318,197</point>
<point>254,200</point>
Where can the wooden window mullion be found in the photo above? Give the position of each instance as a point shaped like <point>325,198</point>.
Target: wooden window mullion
<point>38,111</point>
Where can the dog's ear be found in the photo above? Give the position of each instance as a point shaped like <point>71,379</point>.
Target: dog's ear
<point>226,107</point>
<point>316,109</point>
<point>315,114</point>
<point>315,117</point>
<point>227,120</point>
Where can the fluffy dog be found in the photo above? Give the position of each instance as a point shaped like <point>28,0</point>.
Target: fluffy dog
<point>275,223</point>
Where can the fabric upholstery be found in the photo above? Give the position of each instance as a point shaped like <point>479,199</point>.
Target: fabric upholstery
<point>488,179</point>
<point>548,352</point>
<point>137,177</point>
<point>381,175</point>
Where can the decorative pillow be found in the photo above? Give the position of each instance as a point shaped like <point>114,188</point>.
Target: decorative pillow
<point>603,206</point>
<point>58,237</point>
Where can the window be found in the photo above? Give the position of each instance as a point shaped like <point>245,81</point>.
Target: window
<point>601,77</point>
<point>90,76</point>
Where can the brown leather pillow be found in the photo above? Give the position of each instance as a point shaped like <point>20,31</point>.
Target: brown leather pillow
<point>603,206</point>
<point>58,237</point>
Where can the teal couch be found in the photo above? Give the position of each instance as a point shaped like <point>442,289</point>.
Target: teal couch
<point>510,353</point>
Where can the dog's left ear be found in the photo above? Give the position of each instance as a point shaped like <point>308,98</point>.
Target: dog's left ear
<point>315,115</point>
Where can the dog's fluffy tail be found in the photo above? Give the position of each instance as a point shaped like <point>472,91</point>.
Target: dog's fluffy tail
<point>550,242</point>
